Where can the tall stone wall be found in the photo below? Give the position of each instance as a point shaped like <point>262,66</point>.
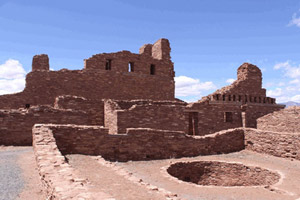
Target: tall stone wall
<point>163,115</point>
<point>140,144</point>
<point>105,76</point>
<point>286,120</point>
<point>237,105</point>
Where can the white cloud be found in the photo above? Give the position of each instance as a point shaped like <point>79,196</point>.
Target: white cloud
<point>295,81</point>
<point>12,69</point>
<point>231,80</point>
<point>296,98</point>
<point>290,71</point>
<point>186,86</point>
<point>295,20</point>
<point>274,93</point>
<point>12,77</point>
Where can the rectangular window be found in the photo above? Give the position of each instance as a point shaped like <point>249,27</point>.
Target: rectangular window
<point>228,117</point>
<point>152,69</point>
<point>108,64</point>
<point>131,67</point>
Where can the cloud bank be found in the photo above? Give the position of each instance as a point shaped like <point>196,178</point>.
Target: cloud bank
<point>12,77</point>
<point>188,87</point>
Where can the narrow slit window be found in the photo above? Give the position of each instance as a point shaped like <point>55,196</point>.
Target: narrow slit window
<point>217,97</point>
<point>228,117</point>
<point>240,98</point>
<point>233,98</point>
<point>152,69</point>
<point>108,64</point>
<point>131,67</point>
<point>229,97</point>
<point>223,97</point>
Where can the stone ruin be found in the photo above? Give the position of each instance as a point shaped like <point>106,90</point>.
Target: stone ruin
<point>122,107</point>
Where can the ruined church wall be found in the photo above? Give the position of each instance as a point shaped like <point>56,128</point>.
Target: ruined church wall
<point>42,87</point>
<point>211,117</point>
<point>120,63</point>
<point>255,111</point>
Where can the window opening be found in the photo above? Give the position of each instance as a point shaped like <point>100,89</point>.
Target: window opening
<point>228,117</point>
<point>131,67</point>
<point>152,69</point>
<point>108,64</point>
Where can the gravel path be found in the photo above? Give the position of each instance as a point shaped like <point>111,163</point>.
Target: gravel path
<point>11,181</point>
<point>19,178</point>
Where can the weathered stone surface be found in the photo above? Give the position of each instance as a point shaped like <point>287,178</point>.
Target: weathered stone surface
<point>58,177</point>
<point>222,174</point>
<point>285,145</point>
<point>245,100</point>
<point>286,120</point>
<point>164,115</point>
<point>141,143</point>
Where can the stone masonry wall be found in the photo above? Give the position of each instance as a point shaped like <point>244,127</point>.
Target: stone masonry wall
<point>163,115</point>
<point>59,179</point>
<point>211,117</point>
<point>278,144</point>
<point>105,76</point>
<point>94,108</point>
<point>142,144</point>
<point>237,105</point>
<point>286,120</point>
<point>16,125</point>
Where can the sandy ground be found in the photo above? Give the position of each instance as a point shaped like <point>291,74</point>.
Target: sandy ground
<point>105,179</point>
<point>288,187</point>
<point>154,172</point>
<point>32,187</point>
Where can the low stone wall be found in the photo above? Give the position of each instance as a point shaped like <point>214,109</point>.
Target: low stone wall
<point>58,177</point>
<point>284,145</point>
<point>16,125</point>
<point>142,143</point>
<point>94,108</point>
<point>285,120</point>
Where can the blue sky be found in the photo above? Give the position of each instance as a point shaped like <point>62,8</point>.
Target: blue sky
<point>209,39</point>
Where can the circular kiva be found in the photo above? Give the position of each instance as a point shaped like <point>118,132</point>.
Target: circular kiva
<point>215,173</point>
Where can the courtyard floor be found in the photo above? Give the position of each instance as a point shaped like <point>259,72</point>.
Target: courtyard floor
<point>114,178</point>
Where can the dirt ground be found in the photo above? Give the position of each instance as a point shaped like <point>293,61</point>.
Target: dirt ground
<point>105,179</point>
<point>32,187</point>
<point>154,173</point>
